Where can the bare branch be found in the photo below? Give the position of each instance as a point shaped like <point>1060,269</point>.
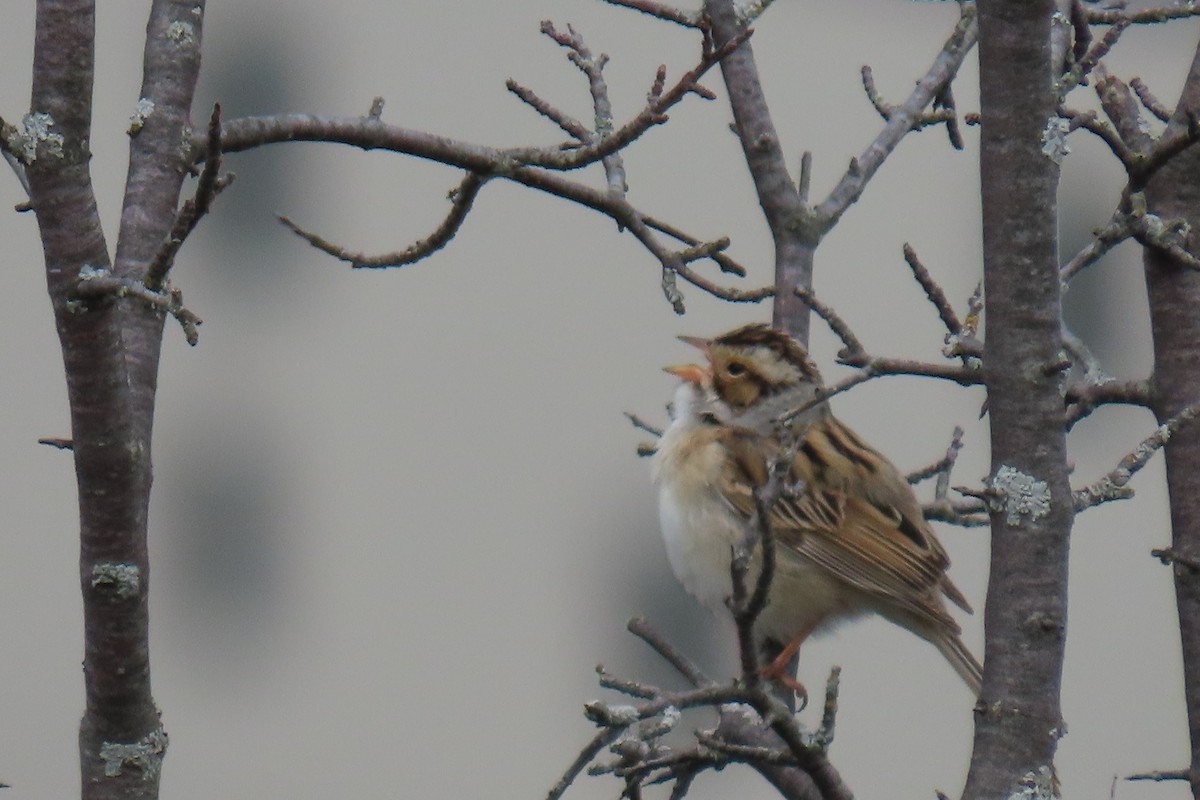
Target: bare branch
<point>1160,775</point>
<point>942,466</point>
<point>1107,236</point>
<point>371,133</point>
<point>461,199</point>
<point>1169,556</point>
<point>881,106</point>
<point>727,264</point>
<point>1090,121</point>
<point>886,110</point>
<point>1091,59</point>
<point>804,182</point>
<point>570,125</point>
<point>725,293</point>
<point>1121,107</point>
<point>944,67</point>
<point>688,19</point>
<point>1148,16</point>
<point>933,291</point>
<point>102,283</point>
<point>1148,100</point>
<point>9,134</point>
<point>592,749</point>
<point>875,367</point>
<point>642,425</point>
<point>964,513</point>
<point>1113,486</point>
<point>1168,235</point>
<point>823,738</point>
<point>641,628</point>
<point>207,188</point>
<point>853,347</point>
<point>593,68</point>
<point>945,100</point>
<point>759,535</point>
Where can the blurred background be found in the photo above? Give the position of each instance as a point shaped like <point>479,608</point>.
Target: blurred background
<point>398,517</point>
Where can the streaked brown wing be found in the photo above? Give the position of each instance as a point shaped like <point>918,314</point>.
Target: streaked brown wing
<point>864,541</point>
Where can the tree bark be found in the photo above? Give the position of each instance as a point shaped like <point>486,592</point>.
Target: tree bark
<point>110,350</point>
<point>792,229</point>
<point>1018,718</point>
<point>1173,289</point>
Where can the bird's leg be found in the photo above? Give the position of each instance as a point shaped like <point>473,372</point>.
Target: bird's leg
<point>778,670</point>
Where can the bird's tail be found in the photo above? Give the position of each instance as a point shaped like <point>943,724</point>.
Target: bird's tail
<point>960,658</point>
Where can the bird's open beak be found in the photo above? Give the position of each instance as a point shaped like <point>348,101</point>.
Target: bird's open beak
<point>696,342</point>
<point>692,373</point>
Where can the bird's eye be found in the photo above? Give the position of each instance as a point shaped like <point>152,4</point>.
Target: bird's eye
<point>709,418</point>
<point>735,369</point>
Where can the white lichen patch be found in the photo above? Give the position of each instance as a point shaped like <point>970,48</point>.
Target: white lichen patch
<point>33,132</point>
<point>1019,495</point>
<point>622,714</point>
<point>146,755</point>
<point>1054,139</point>
<point>125,579</point>
<point>181,32</point>
<point>87,272</point>
<point>144,108</point>
<point>1035,785</point>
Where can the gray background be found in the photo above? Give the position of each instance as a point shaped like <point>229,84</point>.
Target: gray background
<point>398,517</point>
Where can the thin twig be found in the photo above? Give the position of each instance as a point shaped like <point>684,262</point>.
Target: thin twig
<point>728,293</point>
<point>804,182</point>
<point>1106,237</point>
<point>1160,775</point>
<point>99,284</point>
<point>461,199</point>
<point>569,125</point>
<point>944,100</point>
<point>853,347</point>
<point>1091,122</point>
<point>593,69</point>
<point>1099,49</point>
<point>1148,16</point>
<point>1147,98</point>
<point>727,264</point>
<point>943,465</point>
<point>748,753</point>
<point>592,749</point>
<point>878,367</point>
<point>688,19</point>
<point>1169,556</point>
<point>642,425</point>
<point>1085,398</point>
<point>901,122</point>
<point>208,187</point>
<point>823,737</point>
<point>933,291</point>
<point>641,628</point>
<point>1112,486</point>
<point>964,513</point>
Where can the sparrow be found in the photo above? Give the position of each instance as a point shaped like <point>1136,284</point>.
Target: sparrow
<point>850,538</point>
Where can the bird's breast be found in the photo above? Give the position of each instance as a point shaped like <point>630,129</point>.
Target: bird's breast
<point>699,537</point>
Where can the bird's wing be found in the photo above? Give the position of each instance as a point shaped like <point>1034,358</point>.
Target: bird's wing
<point>863,538</point>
